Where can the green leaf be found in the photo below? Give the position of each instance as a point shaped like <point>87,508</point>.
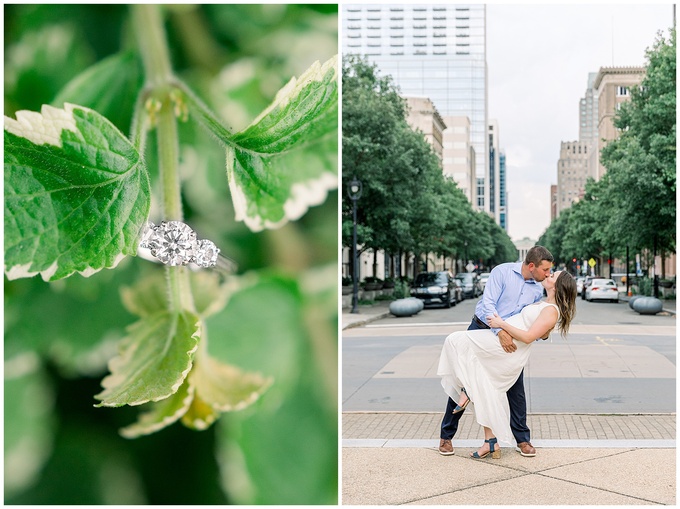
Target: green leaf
<point>223,388</point>
<point>162,413</point>
<point>155,359</point>
<point>109,87</point>
<point>286,160</point>
<point>76,194</point>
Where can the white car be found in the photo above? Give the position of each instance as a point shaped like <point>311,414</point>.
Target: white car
<point>483,278</point>
<point>579,284</point>
<point>602,289</point>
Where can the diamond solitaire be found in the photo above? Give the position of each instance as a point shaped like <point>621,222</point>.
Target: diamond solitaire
<point>172,242</point>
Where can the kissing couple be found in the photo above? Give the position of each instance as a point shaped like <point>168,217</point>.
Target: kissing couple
<point>485,364</point>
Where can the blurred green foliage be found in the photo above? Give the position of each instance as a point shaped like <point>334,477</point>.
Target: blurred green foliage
<point>59,449</point>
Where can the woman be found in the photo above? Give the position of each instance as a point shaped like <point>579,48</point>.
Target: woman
<point>474,366</point>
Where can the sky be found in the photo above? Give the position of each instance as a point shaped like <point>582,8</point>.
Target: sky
<point>538,60</point>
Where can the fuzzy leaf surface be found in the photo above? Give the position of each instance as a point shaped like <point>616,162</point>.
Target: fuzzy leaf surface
<point>76,193</point>
<point>154,360</point>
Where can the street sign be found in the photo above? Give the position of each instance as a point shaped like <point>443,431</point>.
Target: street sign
<point>591,262</point>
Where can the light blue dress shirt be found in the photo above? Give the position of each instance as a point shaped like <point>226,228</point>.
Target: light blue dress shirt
<point>507,292</point>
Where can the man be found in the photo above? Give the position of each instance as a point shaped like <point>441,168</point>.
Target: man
<point>510,287</point>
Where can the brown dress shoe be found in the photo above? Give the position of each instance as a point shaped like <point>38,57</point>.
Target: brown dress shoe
<point>526,449</point>
<point>445,447</point>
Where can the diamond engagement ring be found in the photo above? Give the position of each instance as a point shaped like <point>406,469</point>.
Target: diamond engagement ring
<point>174,243</point>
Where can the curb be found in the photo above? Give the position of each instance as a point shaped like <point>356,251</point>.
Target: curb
<point>366,320</point>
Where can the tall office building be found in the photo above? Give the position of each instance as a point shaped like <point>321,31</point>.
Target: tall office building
<point>503,210</point>
<point>573,170</point>
<point>424,117</point>
<point>588,112</point>
<point>612,86</point>
<point>437,51</point>
<point>496,177</point>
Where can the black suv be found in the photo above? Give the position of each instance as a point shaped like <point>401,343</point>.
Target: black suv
<point>436,288</point>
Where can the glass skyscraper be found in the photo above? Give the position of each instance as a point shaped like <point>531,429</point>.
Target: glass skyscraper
<point>437,51</point>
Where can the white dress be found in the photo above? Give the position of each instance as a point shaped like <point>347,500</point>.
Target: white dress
<point>475,359</point>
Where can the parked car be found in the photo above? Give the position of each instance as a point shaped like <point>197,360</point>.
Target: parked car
<point>602,289</point>
<point>436,288</point>
<point>483,278</point>
<point>470,286</point>
<point>458,289</point>
<point>579,284</point>
<point>586,283</point>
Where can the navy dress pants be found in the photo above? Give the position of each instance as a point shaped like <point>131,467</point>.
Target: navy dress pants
<point>516,400</point>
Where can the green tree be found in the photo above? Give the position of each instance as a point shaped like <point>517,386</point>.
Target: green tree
<point>641,161</point>
<point>373,119</point>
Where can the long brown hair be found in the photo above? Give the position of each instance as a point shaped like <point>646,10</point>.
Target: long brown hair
<point>565,298</point>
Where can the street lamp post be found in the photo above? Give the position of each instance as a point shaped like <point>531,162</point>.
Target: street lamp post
<point>354,193</point>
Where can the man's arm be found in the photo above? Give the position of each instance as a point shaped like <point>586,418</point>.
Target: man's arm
<point>492,294</point>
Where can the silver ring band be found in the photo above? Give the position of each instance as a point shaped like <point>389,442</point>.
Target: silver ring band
<point>174,243</point>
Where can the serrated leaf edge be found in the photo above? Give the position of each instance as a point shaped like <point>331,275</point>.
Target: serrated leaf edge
<point>137,429</point>
<point>106,382</point>
<point>44,127</point>
<point>303,195</point>
<point>22,271</point>
<point>315,72</point>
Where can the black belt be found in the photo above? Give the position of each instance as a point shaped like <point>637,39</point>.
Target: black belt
<point>479,322</point>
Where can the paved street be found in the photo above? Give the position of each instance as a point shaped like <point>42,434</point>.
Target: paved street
<point>625,367</point>
<point>601,406</point>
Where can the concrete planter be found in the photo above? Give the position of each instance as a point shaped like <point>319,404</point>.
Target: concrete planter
<point>648,305</point>
<point>405,307</point>
<point>632,300</point>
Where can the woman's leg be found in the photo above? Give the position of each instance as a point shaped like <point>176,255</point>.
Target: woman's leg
<point>485,450</point>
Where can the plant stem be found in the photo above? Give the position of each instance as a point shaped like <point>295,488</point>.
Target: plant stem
<point>155,55</point>
<point>158,71</point>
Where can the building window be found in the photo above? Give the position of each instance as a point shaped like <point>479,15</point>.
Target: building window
<point>621,91</point>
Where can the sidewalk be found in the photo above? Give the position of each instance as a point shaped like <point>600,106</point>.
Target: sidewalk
<point>392,459</point>
<point>366,314</point>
